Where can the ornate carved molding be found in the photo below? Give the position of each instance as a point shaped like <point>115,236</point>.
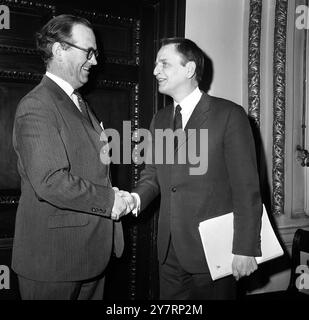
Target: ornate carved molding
<point>279,106</point>
<point>20,75</point>
<point>18,50</point>
<point>105,83</point>
<point>102,18</point>
<point>135,124</point>
<point>255,22</point>
<point>10,200</point>
<point>36,77</point>
<point>30,4</point>
<point>137,41</point>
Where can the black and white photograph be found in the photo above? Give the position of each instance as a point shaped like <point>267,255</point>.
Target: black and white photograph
<point>154,154</point>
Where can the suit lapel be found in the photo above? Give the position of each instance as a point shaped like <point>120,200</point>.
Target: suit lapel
<point>94,121</point>
<point>63,100</point>
<point>198,117</point>
<point>199,114</point>
<point>66,103</point>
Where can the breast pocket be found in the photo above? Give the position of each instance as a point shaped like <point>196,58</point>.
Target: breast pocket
<point>67,220</point>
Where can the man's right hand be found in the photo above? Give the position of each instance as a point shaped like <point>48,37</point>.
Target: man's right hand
<point>129,199</point>
<point>120,206</point>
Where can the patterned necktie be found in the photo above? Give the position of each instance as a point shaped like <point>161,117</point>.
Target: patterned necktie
<point>177,124</point>
<point>82,105</point>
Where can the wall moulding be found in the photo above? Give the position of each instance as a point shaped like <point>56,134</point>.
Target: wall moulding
<point>127,26</point>
<point>9,200</point>
<point>31,76</point>
<point>29,4</point>
<point>254,42</point>
<point>279,105</point>
<point>21,40</point>
<point>18,50</point>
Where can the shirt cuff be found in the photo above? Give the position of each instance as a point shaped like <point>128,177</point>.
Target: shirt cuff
<point>138,204</point>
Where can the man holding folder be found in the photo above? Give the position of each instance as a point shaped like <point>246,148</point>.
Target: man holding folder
<point>230,183</point>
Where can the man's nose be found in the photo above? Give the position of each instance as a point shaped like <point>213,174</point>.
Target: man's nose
<point>156,70</point>
<point>93,60</point>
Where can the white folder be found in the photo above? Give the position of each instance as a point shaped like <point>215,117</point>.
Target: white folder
<point>217,239</point>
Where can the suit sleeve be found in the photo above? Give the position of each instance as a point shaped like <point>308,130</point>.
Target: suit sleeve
<point>240,158</point>
<point>42,155</point>
<point>148,187</point>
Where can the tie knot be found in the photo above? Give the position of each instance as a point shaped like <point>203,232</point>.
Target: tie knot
<point>79,96</point>
<point>82,105</point>
<point>178,109</point>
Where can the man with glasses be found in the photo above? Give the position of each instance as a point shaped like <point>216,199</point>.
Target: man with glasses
<point>64,234</point>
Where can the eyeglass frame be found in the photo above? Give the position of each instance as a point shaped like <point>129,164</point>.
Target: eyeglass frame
<point>90,52</point>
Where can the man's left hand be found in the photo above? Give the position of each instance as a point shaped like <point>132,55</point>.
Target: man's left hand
<point>243,266</point>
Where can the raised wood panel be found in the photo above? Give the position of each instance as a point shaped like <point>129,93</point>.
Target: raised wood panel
<point>16,60</point>
<point>25,19</point>
<point>118,37</point>
<point>7,221</point>
<point>113,103</point>
<point>121,87</point>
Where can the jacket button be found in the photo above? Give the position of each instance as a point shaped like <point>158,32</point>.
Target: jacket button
<point>174,189</point>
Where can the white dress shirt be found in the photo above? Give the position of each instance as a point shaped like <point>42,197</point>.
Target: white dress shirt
<point>188,105</point>
<point>65,86</point>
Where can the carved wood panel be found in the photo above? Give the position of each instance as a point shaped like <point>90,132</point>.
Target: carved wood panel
<point>121,88</point>
<point>114,95</point>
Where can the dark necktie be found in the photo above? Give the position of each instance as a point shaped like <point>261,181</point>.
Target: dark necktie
<point>177,118</point>
<point>82,105</point>
<point>177,124</point>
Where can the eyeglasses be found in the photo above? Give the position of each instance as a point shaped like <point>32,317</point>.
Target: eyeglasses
<point>90,52</point>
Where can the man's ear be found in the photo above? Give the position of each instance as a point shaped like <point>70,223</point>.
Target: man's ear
<point>191,67</point>
<point>57,51</point>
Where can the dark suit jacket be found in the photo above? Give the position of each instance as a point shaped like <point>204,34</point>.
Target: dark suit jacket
<point>63,228</point>
<point>230,184</point>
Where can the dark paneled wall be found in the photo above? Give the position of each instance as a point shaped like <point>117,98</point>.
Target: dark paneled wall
<point>121,88</point>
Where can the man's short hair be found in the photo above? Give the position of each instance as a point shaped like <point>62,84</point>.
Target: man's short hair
<point>56,30</point>
<point>190,52</point>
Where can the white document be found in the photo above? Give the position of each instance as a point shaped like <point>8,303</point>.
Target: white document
<point>217,238</point>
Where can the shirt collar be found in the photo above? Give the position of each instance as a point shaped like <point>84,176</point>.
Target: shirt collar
<point>190,101</point>
<point>64,85</point>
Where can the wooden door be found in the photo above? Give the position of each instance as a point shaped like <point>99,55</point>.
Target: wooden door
<point>122,88</point>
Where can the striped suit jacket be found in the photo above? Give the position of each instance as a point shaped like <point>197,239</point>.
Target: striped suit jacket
<point>63,230</point>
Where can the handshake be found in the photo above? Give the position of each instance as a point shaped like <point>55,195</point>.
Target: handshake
<point>124,203</point>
